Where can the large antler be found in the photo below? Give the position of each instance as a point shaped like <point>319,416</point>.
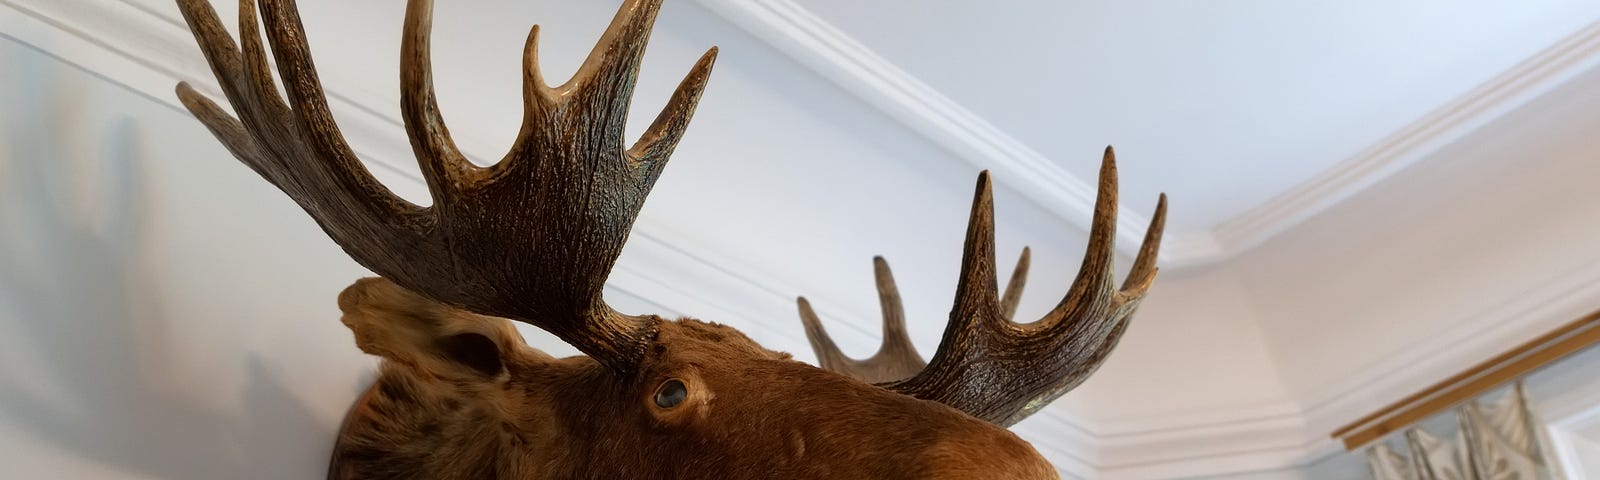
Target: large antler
<point>989,366</point>
<point>531,238</point>
<point>896,358</point>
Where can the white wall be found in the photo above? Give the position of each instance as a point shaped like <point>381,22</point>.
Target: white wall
<point>1587,451</point>
<point>1486,244</point>
<point>1473,250</point>
<point>164,317</point>
<point>1191,330</point>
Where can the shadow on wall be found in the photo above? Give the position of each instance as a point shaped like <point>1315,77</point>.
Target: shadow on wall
<point>86,357</point>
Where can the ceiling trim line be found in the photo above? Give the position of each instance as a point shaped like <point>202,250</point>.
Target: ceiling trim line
<point>846,62</point>
<point>1514,88</point>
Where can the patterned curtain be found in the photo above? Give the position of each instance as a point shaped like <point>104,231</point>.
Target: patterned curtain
<point>1495,441</point>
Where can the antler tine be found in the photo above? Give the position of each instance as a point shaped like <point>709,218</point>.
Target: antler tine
<point>605,79</point>
<point>976,290</point>
<point>1002,371</point>
<point>1019,279</point>
<point>263,94</point>
<point>617,55</point>
<point>532,238</point>
<point>896,357</point>
<point>829,357</point>
<point>896,339</point>
<point>269,137</point>
<point>1094,282</point>
<point>318,132</point>
<point>658,142</point>
<point>444,168</point>
<point>1144,266</point>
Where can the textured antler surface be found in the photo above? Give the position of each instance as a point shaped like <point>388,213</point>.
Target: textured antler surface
<point>999,370</point>
<point>896,358</point>
<point>531,238</point>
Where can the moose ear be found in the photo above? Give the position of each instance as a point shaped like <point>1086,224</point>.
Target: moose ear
<point>440,340</point>
<point>474,350</point>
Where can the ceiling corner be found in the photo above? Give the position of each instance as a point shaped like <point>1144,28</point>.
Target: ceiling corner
<point>846,62</point>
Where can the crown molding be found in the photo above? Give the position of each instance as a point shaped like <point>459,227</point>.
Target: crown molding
<point>1522,315</point>
<point>1293,434</point>
<point>1522,83</point>
<point>853,66</point>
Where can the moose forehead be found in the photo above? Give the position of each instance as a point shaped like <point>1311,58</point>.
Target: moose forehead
<point>750,407</point>
<point>695,340</point>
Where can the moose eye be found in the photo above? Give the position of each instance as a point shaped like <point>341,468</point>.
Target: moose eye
<point>671,393</point>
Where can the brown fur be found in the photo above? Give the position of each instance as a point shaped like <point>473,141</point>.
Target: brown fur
<point>751,413</point>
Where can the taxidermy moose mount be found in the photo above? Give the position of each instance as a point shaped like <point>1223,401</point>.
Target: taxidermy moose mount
<point>532,238</point>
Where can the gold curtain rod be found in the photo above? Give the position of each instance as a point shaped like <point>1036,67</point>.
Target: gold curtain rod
<point>1461,387</point>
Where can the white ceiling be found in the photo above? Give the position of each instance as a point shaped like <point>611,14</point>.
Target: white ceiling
<point>1252,114</point>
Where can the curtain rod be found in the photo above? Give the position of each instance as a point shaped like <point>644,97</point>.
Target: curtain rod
<point>1461,387</point>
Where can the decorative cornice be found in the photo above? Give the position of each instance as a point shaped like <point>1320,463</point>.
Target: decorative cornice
<point>856,68</point>
<point>1523,315</point>
<point>841,59</point>
<point>1513,88</point>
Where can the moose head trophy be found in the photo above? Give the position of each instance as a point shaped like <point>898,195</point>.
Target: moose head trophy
<point>532,239</point>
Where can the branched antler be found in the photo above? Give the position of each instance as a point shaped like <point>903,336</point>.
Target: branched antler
<point>896,358</point>
<point>531,238</point>
<point>996,369</point>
